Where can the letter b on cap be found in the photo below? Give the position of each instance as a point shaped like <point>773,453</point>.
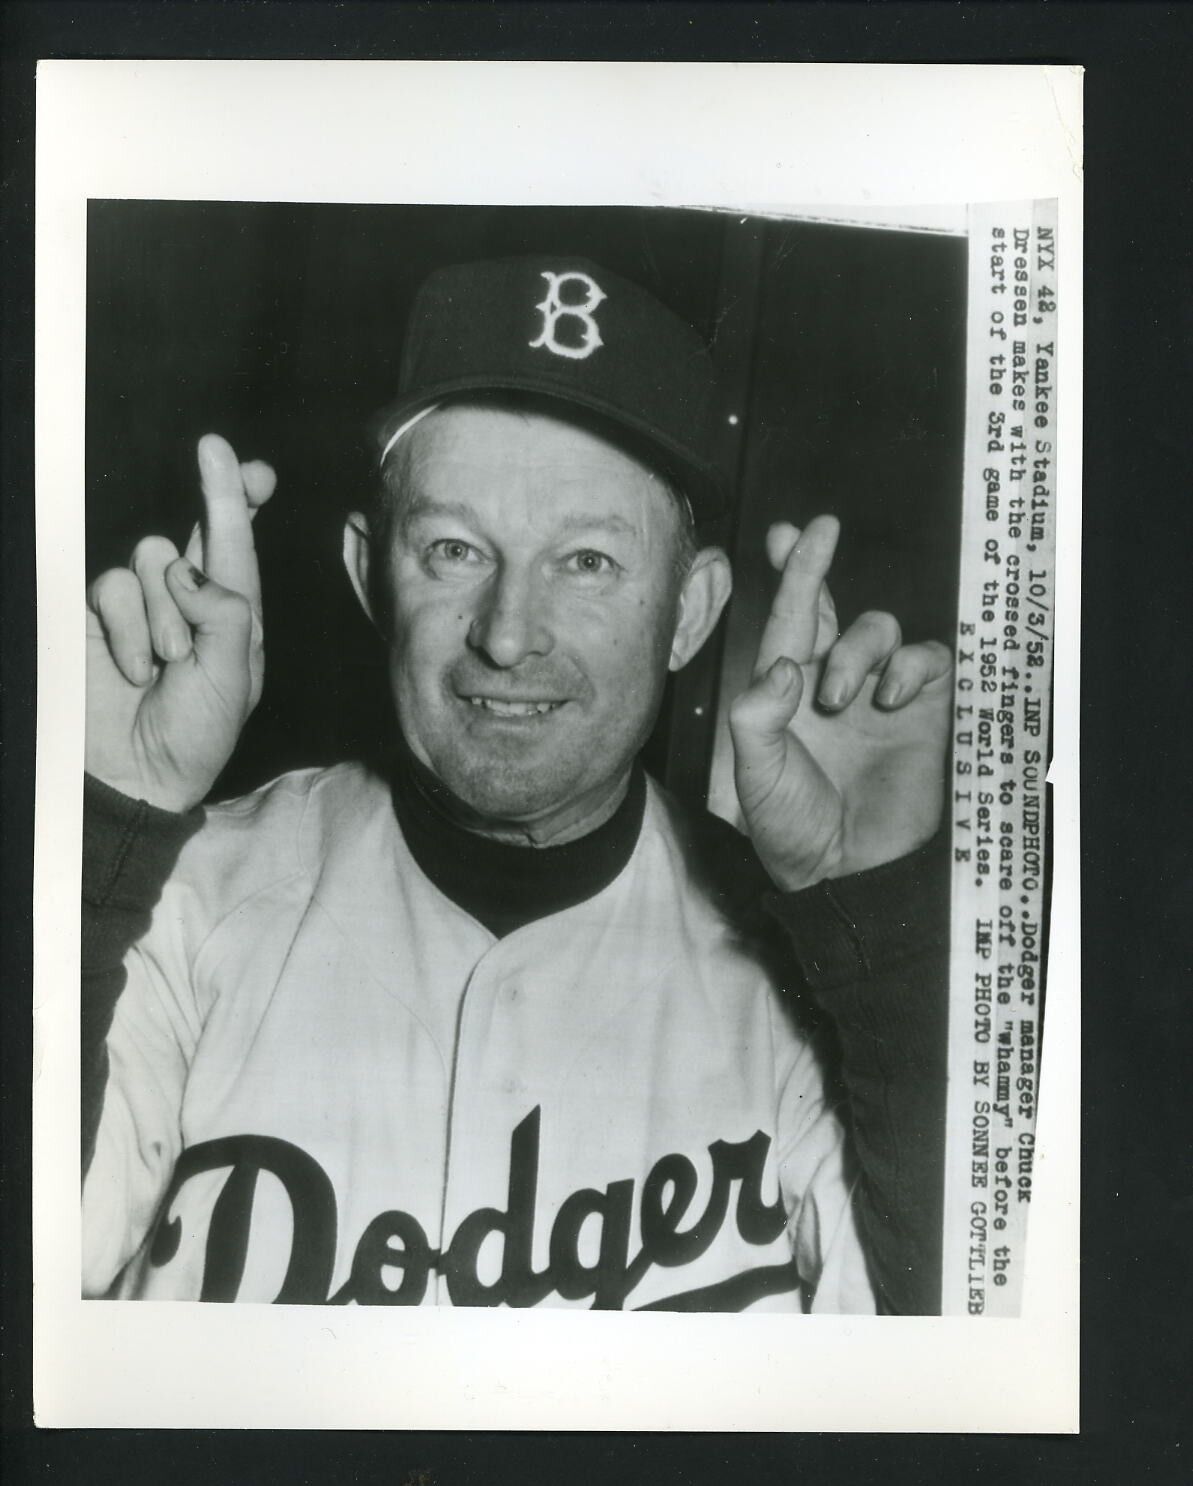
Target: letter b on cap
<point>554,308</point>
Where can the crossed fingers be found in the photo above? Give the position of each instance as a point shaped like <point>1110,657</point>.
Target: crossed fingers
<point>222,543</point>
<point>803,627</point>
<point>803,622</point>
<point>135,607</point>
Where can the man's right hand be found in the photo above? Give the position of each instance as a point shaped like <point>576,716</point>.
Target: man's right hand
<point>175,645</point>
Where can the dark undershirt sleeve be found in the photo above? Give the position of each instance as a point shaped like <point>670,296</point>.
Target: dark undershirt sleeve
<point>129,850</point>
<point>874,950</point>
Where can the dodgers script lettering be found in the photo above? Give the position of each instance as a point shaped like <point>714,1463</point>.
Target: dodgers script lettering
<point>393,1258</point>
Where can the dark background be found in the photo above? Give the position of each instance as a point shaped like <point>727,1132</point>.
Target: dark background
<point>1137,720</point>
<point>841,354</point>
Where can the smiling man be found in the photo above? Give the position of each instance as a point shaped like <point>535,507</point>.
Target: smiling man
<point>532,593</point>
<point>502,1024</point>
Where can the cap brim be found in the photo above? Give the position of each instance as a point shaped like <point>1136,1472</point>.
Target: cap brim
<point>704,484</point>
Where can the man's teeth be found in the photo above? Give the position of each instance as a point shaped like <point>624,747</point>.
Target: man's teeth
<point>513,709</point>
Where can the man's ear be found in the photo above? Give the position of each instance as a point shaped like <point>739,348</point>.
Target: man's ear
<point>704,594</point>
<point>357,551</point>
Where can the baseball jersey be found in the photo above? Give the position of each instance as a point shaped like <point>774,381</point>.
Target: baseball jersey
<point>328,1083</point>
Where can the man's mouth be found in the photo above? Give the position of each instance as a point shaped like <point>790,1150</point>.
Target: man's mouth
<point>513,708</point>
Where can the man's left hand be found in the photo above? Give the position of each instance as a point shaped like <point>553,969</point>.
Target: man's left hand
<point>840,741</point>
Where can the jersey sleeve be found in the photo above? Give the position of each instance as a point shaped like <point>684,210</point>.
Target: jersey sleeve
<point>873,950</point>
<point>129,851</point>
<point>818,1179</point>
<point>137,1030</point>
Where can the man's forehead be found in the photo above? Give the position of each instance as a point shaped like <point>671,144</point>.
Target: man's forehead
<point>480,444</point>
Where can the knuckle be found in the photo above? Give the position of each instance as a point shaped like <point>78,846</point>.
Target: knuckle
<point>741,711</point>
<point>152,551</point>
<point>882,623</point>
<point>112,586</point>
<point>240,611</point>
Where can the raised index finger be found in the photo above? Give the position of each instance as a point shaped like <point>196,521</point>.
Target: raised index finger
<point>795,614</point>
<point>230,493</point>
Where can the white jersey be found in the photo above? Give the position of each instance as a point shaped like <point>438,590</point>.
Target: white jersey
<point>328,1083</point>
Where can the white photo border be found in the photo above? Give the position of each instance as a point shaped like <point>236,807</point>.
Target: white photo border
<point>769,138</point>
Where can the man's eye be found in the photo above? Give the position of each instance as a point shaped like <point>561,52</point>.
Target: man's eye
<point>591,564</point>
<point>452,552</point>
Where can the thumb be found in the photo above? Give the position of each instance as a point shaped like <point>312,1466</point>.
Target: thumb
<point>760,715</point>
<point>758,722</point>
<point>221,619</point>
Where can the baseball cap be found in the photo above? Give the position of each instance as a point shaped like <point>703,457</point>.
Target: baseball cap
<point>569,331</point>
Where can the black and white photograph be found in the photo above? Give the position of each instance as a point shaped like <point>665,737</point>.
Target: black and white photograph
<point>476,1009</point>
<point>568,708</point>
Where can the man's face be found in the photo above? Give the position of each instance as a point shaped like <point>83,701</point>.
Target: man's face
<point>534,598</point>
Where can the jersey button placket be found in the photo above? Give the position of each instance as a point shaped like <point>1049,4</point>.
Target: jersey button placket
<point>475,1120</point>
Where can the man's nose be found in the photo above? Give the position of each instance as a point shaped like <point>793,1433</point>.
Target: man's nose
<point>512,622</point>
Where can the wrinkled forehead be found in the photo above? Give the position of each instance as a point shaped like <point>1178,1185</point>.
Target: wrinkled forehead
<point>543,463</point>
